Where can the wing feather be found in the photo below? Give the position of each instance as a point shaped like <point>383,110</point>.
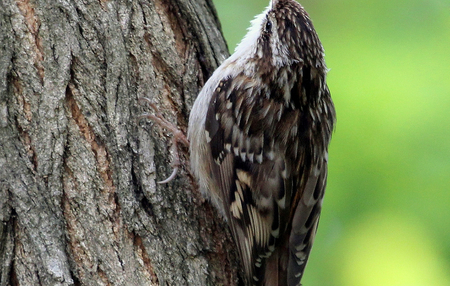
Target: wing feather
<point>305,221</point>
<point>251,168</point>
<point>270,176</point>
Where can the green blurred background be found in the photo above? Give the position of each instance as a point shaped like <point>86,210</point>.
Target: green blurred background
<point>386,216</point>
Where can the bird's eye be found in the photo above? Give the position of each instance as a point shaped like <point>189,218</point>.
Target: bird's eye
<point>268,28</point>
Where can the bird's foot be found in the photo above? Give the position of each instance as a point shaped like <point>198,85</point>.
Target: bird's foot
<point>178,135</point>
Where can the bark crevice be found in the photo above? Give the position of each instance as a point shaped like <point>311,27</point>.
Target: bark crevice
<point>79,202</point>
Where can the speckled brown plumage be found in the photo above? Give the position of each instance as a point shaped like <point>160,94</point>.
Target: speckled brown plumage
<point>259,134</point>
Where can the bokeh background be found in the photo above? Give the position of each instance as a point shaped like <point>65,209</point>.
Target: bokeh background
<point>386,216</point>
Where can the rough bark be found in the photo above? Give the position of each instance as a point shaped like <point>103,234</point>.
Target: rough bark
<point>79,202</point>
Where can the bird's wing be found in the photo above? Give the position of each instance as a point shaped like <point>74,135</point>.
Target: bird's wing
<point>305,220</point>
<point>251,167</point>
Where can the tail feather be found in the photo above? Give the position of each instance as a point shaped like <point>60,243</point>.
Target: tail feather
<point>272,273</point>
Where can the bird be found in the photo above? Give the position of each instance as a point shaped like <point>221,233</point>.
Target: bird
<point>258,134</point>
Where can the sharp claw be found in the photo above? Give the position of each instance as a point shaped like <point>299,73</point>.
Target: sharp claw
<point>145,115</point>
<point>143,100</point>
<point>171,177</point>
<point>162,122</point>
<point>178,136</point>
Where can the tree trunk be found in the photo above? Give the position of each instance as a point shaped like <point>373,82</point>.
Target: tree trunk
<point>79,200</point>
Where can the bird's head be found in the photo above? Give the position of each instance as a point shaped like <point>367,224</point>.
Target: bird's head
<point>283,34</point>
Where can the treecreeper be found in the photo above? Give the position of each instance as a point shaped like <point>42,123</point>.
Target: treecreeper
<point>258,138</point>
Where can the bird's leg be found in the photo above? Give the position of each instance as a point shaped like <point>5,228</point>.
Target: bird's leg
<point>178,136</point>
